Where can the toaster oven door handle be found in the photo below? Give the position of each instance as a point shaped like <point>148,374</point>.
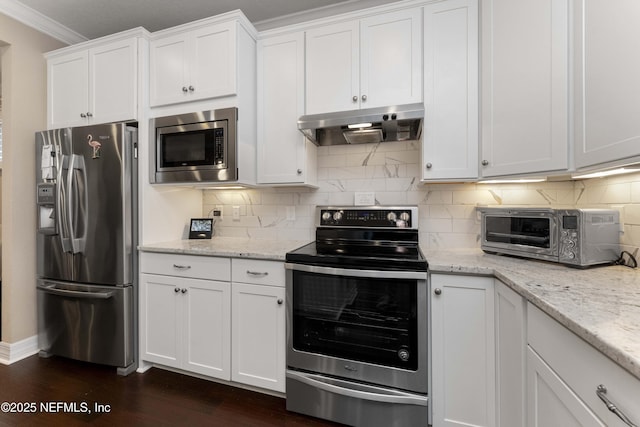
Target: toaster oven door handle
<point>332,271</point>
<point>364,392</point>
<point>538,239</point>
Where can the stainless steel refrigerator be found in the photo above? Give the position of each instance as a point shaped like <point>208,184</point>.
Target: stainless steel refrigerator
<point>86,244</point>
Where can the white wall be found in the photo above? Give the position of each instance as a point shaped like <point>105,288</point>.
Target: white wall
<point>448,217</point>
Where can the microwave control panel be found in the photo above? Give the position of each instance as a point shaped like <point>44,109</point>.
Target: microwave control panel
<point>218,141</point>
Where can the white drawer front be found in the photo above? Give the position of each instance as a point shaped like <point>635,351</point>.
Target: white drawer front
<point>584,368</point>
<point>197,267</point>
<point>257,272</point>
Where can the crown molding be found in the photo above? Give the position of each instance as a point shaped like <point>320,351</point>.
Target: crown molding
<point>30,17</point>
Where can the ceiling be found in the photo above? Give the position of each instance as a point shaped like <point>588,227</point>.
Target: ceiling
<point>96,18</point>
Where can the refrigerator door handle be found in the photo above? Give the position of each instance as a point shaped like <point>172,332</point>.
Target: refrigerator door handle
<point>51,288</point>
<point>62,214</point>
<point>77,243</point>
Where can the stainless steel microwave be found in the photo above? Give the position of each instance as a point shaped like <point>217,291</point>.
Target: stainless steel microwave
<point>576,237</point>
<point>195,148</point>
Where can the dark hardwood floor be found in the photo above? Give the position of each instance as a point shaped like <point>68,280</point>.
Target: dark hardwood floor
<point>155,398</point>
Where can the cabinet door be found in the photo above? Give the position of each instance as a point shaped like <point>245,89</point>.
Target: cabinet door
<point>207,329</point>
<point>167,70</point>
<point>160,319</point>
<point>550,401</point>
<point>511,345</point>
<point>450,144</point>
<point>212,62</point>
<point>281,147</point>
<point>391,59</point>
<point>463,351</point>
<point>259,329</point>
<point>68,90</point>
<point>113,82</point>
<point>332,68</point>
<point>607,87</point>
<point>525,66</point>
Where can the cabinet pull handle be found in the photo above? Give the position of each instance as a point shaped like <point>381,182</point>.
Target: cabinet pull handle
<point>355,98</point>
<point>89,114</point>
<point>437,291</point>
<point>257,273</point>
<point>601,391</point>
<point>183,290</point>
<point>364,97</point>
<point>83,115</point>
<point>429,165</point>
<point>191,88</point>
<point>176,290</point>
<point>485,163</point>
<point>280,301</point>
<point>181,267</point>
<point>184,89</point>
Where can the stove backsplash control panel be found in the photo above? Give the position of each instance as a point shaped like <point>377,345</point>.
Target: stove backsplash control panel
<point>375,216</point>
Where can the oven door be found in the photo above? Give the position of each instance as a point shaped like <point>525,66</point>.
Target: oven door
<point>530,233</point>
<point>364,325</point>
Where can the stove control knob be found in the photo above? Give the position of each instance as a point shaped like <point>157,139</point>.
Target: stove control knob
<point>404,216</point>
<point>404,354</point>
<point>326,216</point>
<point>337,216</point>
<point>391,216</point>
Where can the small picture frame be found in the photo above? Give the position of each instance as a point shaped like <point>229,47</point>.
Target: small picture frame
<point>201,228</point>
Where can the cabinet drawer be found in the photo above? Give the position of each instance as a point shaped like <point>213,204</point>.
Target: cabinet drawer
<point>583,368</point>
<point>258,272</point>
<point>197,267</point>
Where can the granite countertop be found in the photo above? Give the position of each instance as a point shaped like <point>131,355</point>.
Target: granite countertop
<point>233,247</point>
<point>600,304</point>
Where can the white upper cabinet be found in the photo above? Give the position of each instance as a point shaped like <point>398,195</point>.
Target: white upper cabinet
<point>96,83</point>
<point>372,62</point>
<point>525,86</point>
<point>607,83</point>
<point>285,156</point>
<point>450,133</point>
<point>194,65</point>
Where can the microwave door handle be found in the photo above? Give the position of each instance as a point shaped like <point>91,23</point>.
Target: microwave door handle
<point>77,163</point>
<point>62,214</point>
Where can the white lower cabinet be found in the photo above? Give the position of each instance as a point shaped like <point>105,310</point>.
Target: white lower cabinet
<point>192,317</point>
<point>186,324</point>
<point>511,345</point>
<point>551,401</point>
<point>463,351</point>
<point>564,373</point>
<point>258,331</point>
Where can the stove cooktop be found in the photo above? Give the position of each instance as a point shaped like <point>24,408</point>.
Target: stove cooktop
<point>372,238</point>
<point>360,256</point>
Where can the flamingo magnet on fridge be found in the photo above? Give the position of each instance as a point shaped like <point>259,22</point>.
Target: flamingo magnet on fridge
<point>95,145</point>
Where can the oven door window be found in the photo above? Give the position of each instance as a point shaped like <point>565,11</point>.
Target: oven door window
<point>370,320</point>
<point>526,231</point>
<point>179,148</point>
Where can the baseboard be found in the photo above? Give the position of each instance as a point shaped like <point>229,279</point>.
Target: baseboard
<point>13,352</point>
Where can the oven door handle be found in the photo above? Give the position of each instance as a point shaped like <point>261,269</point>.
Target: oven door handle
<point>332,271</point>
<point>376,394</point>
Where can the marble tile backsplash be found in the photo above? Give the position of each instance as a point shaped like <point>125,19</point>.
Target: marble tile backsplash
<point>448,216</point>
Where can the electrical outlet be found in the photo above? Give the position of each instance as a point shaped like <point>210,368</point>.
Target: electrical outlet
<point>217,212</point>
<point>236,213</point>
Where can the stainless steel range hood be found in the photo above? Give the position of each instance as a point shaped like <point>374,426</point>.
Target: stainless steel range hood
<point>393,123</point>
